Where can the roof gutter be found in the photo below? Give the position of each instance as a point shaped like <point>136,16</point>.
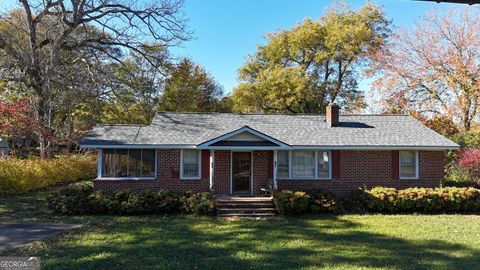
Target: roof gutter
<point>294,147</point>
<point>138,146</point>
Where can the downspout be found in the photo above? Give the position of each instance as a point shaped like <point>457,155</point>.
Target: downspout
<point>275,183</point>
<point>99,163</point>
<point>212,167</point>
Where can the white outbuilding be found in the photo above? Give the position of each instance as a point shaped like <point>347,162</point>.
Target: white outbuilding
<point>4,150</point>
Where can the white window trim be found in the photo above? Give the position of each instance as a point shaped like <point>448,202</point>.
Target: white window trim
<point>212,167</point>
<point>417,165</point>
<point>199,177</point>
<point>100,168</point>
<point>290,177</point>
<point>276,166</point>
<point>329,166</point>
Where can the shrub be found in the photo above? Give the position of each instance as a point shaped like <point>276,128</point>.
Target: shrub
<point>355,202</point>
<point>324,201</point>
<point>313,201</point>
<point>461,184</point>
<point>72,200</point>
<point>80,199</point>
<point>469,165</point>
<point>22,175</point>
<point>291,202</point>
<point>426,200</point>
<point>197,203</point>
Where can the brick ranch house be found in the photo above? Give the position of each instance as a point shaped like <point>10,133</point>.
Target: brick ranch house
<point>242,153</point>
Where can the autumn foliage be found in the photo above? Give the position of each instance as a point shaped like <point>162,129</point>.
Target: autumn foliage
<point>22,175</point>
<point>16,118</point>
<point>470,160</point>
<point>434,68</point>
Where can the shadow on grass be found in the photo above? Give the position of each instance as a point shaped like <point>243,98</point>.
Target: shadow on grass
<point>28,207</point>
<point>186,242</point>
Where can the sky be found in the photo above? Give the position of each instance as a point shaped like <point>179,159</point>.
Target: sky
<point>226,31</point>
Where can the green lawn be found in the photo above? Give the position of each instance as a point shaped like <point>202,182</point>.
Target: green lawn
<point>309,242</point>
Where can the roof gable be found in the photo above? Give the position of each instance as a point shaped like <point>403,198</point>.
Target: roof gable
<point>243,137</point>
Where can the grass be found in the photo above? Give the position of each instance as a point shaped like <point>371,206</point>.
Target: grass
<point>308,242</point>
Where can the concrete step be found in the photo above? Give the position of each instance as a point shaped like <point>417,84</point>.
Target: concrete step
<point>246,211</point>
<point>246,205</point>
<point>243,202</point>
<point>256,215</point>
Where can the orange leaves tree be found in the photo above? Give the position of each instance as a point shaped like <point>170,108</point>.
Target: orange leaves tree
<point>433,69</point>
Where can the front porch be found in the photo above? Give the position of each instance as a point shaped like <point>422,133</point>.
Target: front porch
<point>242,173</point>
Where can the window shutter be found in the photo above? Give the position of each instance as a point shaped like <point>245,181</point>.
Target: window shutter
<point>395,165</point>
<point>336,164</point>
<point>270,165</point>
<point>205,163</point>
<point>175,173</point>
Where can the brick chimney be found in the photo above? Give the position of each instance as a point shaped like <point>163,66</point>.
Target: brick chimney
<point>332,115</point>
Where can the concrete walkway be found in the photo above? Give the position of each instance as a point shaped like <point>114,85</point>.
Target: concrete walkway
<point>13,235</point>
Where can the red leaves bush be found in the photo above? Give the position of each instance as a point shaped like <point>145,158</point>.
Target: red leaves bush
<point>470,160</point>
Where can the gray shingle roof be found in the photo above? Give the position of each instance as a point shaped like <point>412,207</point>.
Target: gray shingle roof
<point>168,128</point>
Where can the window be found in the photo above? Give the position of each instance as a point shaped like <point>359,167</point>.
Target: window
<point>409,164</point>
<point>323,164</point>
<point>282,164</point>
<point>109,161</point>
<point>148,163</point>
<point>303,164</point>
<point>190,164</point>
<point>128,163</point>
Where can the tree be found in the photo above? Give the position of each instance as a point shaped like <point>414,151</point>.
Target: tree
<point>435,68</point>
<point>17,121</point>
<point>303,69</point>
<point>132,94</point>
<point>190,88</point>
<point>63,50</point>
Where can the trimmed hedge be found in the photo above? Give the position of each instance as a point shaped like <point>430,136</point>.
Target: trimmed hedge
<point>78,199</point>
<point>298,202</point>
<point>23,175</point>
<point>474,184</point>
<point>425,200</point>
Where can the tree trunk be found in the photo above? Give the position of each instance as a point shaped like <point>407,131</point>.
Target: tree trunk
<point>467,123</point>
<point>42,113</point>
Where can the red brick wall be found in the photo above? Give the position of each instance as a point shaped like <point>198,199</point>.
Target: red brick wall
<point>373,168</point>
<point>168,177</point>
<point>261,170</point>
<point>221,182</point>
<point>357,169</point>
